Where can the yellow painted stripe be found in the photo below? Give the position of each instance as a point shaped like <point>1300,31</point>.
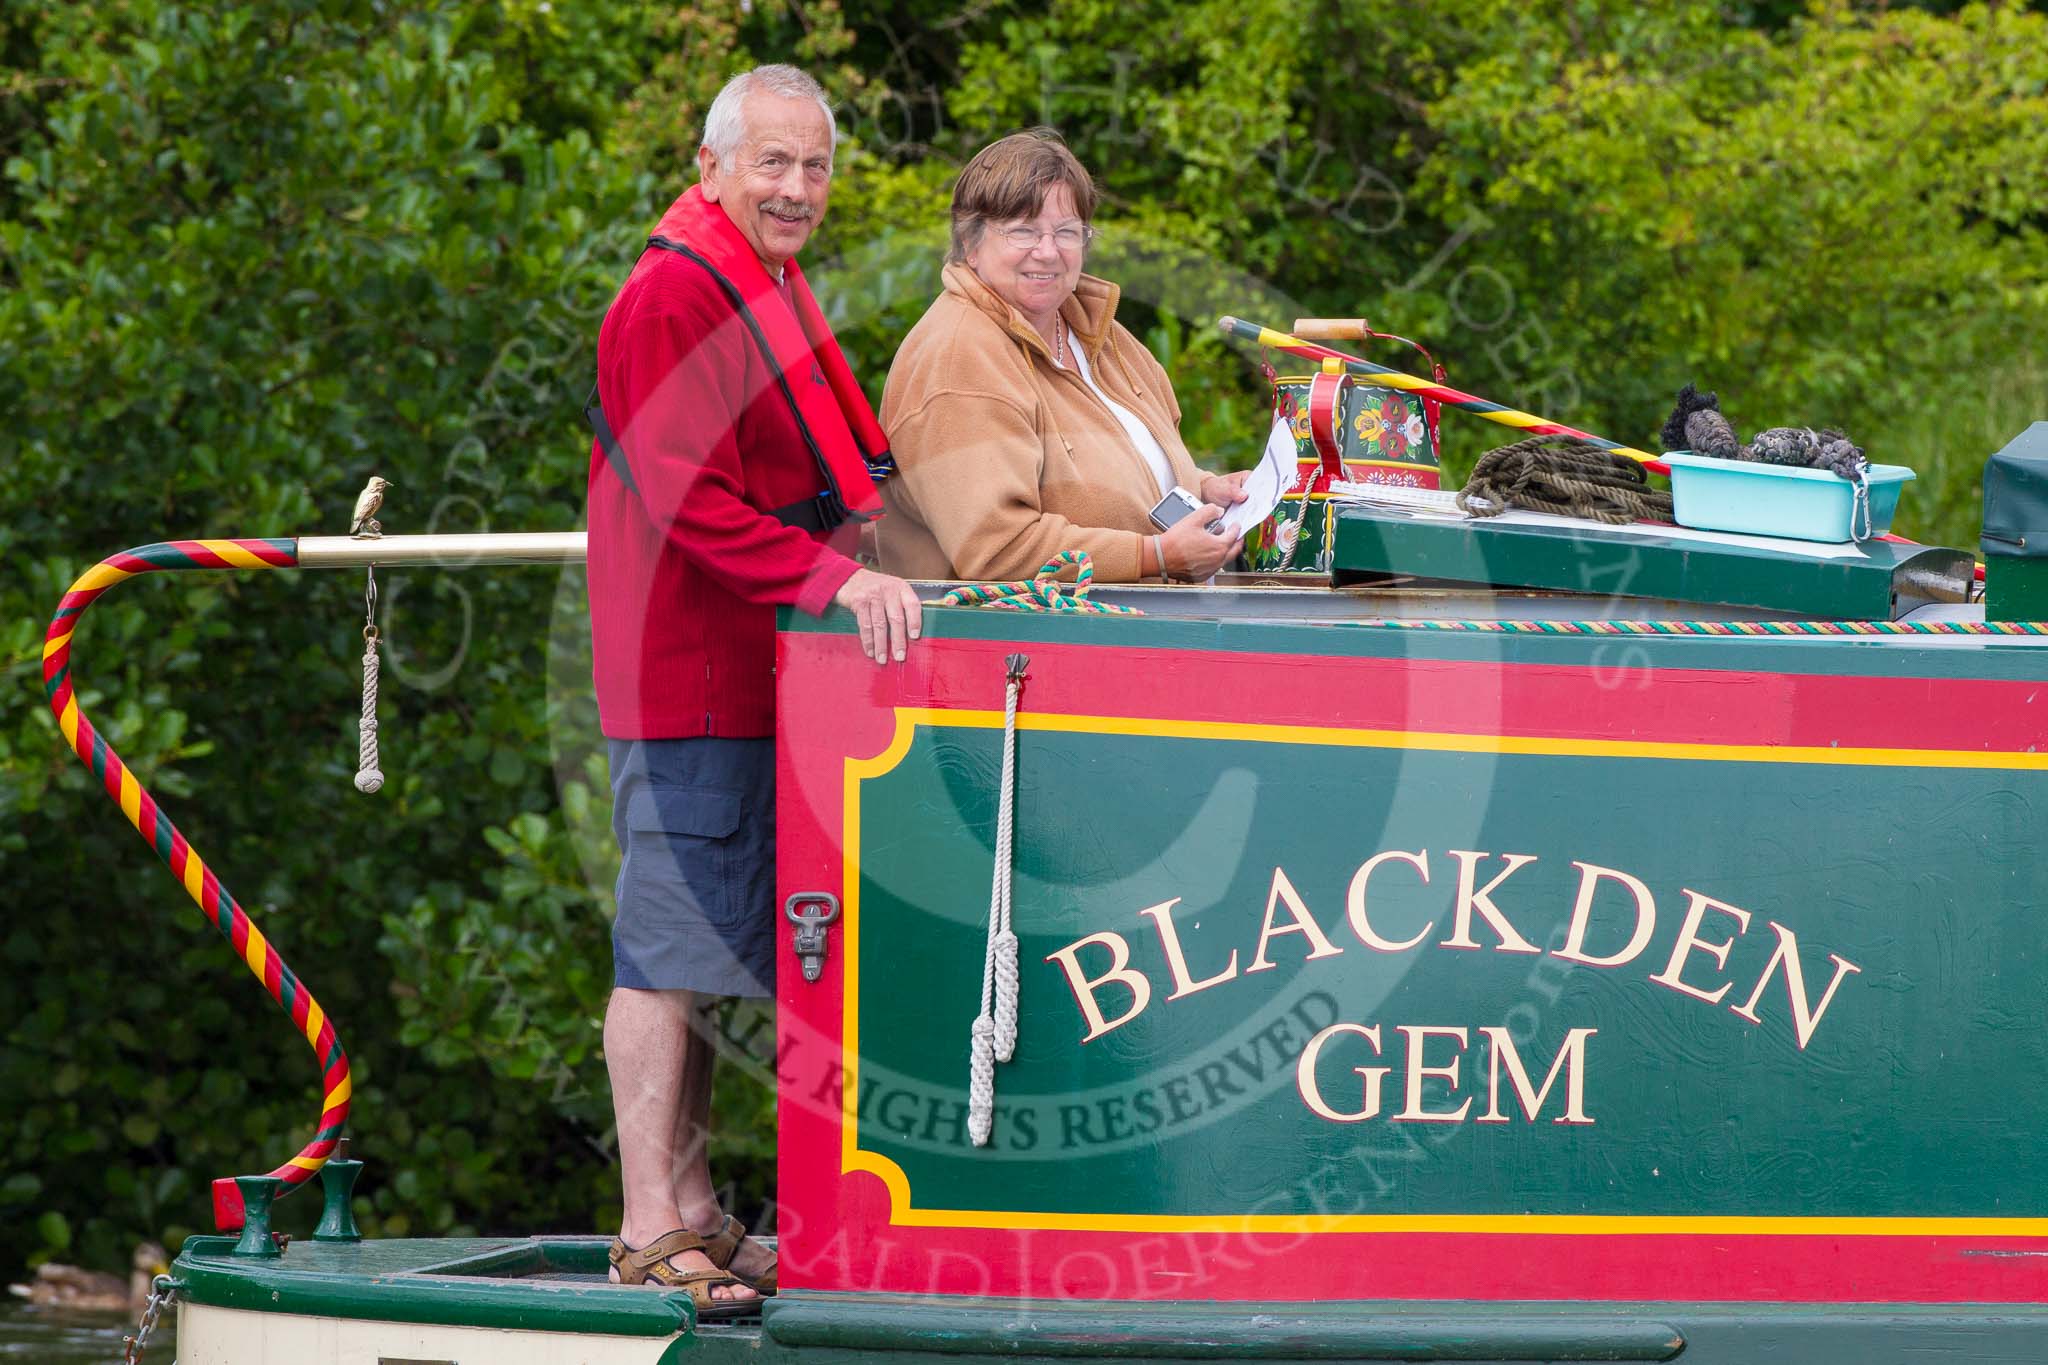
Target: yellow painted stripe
<point>68,721</point>
<point>342,1090</point>
<point>857,771</point>
<point>100,576</point>
<point>55,643</point>
<point>1450,742</point>
<point>252,950</point>
<point>1567,1225</point>
<point>237,556</point>
<point>307,1163</point>
<point>1381,464</point>
<point>131,797</point>
<point>195,874</point>
<point>1396,381</point>
<point>315,1017</point>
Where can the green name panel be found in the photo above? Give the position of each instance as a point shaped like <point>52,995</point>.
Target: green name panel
<point>1567,979</point>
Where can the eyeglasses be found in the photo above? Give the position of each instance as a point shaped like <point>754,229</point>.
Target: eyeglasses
<point>1071,237</point>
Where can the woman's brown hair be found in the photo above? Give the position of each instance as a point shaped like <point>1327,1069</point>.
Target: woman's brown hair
<point>1009,180</point>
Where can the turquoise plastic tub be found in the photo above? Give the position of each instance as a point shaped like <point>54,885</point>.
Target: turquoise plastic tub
<point>1778,500</point>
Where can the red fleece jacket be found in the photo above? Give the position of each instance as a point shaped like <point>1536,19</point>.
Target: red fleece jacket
<point>686,576</point>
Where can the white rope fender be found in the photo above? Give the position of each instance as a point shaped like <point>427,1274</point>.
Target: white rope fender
<point>994,1035</point>
<point>369,777</point>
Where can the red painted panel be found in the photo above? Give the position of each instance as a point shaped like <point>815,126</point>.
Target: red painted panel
<point>836,1227</point>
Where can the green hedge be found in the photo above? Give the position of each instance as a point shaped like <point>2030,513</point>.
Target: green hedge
<point>249,256</point>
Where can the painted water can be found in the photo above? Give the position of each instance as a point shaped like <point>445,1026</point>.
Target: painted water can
<point>1343,430</point>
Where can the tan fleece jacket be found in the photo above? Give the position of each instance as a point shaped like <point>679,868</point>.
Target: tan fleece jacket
<point>1005,459</point>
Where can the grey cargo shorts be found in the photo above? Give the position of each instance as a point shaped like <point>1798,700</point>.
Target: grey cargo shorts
<point>695,821</point>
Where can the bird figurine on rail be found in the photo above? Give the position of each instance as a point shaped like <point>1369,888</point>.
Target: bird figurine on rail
<point>364,522</point>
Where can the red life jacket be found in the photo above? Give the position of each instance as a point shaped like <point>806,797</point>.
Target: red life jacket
<point>810,371</point>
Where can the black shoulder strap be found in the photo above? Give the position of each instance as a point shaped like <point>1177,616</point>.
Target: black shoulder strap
<point>614,454</point>
<point>822,511</point>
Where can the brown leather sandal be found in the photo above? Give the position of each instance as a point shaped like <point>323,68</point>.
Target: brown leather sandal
<point>722,1245</point>
<point>640,1265</point>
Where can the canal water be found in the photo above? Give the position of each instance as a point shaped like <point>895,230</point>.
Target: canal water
<point>31,1336</point>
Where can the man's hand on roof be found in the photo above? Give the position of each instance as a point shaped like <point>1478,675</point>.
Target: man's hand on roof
<point>889,613</point>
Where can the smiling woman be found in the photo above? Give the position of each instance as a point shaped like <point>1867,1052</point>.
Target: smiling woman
<point>1025,419</point>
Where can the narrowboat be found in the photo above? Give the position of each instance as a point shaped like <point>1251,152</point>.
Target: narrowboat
<point>1496,940</point>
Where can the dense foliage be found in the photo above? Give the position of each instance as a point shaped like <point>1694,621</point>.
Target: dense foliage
<point>249,255</point>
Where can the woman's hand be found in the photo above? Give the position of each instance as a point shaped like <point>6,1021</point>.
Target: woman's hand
<point>1192,551</point>
<point>1222,490</point>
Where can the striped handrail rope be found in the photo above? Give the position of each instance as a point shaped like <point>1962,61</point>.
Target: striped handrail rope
<point>1040,592</point>
<point>199,880</point>
<point>1753,628</point>
<point>1436,390</point>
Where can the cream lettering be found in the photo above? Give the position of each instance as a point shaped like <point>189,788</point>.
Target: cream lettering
<point>1084,987</point>
<point>1571,1057</point>
<point>1481,899</point>
<point>1312,1095</point>
<point>1804,1022</point>
<point>1283,893</point>
<point>1176,960</point>
<point>1689,939</point>
<point>1354,901</point>
<point>1418,1036</point>
<point>1574,949</point>
<point>1591,929</point>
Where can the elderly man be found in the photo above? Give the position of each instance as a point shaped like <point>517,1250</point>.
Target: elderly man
<point>731,470</point>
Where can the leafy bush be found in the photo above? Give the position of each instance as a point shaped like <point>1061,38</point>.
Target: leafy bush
<point>249,256</point>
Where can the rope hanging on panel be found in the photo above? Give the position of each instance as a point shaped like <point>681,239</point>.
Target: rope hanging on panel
<point>993,1037</point>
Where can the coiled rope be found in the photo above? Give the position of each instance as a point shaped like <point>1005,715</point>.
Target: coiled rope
<point>1567,476</point>
<point>199,881</point>
<point>1041,592</point>
<point>993,1037</point>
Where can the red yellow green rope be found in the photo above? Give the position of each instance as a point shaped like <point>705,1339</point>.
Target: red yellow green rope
<point>1040,592</point>
<point>1435,390</point>
<point>199,881</point>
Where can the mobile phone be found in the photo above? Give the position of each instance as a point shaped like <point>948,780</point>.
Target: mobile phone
<point>1177,504</point>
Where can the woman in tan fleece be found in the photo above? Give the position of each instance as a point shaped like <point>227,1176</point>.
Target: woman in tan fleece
<point>1025,419</point>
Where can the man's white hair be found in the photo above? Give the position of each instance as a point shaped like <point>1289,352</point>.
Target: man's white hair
<point>726,126</point>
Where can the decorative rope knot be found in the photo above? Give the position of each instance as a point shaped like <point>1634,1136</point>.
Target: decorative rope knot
<point>1566,476</point>
<point>1006,994</point>
<point>369,774</point>
<point>369,777</point>
<point>993,1037</point>
<point>1042,591</point>
<point>981,1080</point>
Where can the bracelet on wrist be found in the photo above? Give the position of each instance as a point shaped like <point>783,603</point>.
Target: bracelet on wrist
<point>1159,554</point>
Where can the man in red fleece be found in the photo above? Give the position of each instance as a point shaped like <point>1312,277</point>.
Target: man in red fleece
<point>734,463</point>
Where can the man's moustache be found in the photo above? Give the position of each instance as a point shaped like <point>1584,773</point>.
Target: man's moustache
<point>788,209</point>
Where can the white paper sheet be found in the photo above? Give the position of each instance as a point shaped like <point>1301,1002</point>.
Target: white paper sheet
<point>1274,475</point>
